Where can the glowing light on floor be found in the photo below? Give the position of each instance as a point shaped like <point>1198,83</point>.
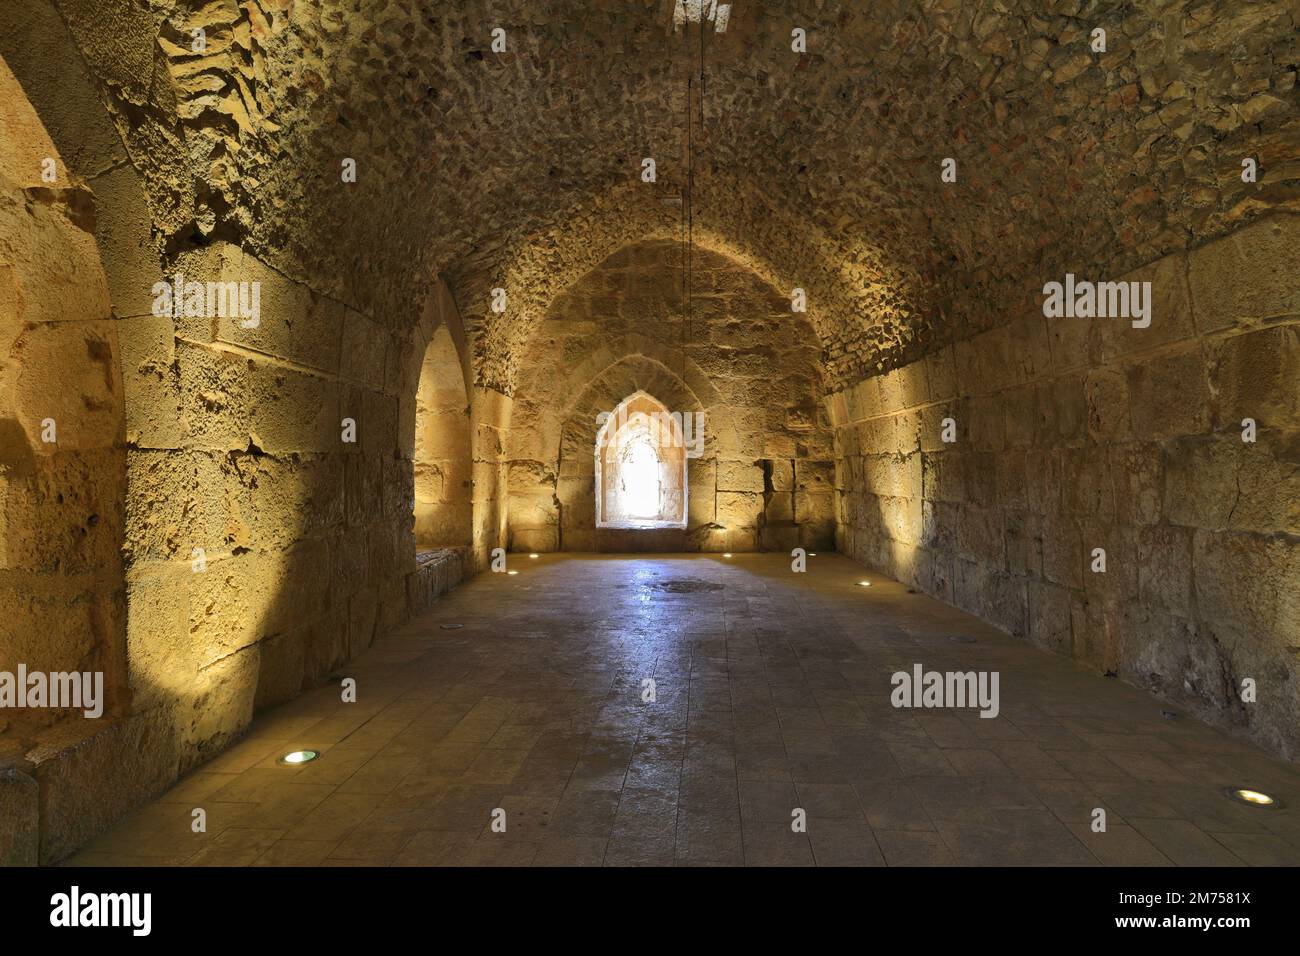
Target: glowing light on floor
<point>299,756</point>
<point>864,584</point>
<point>726,554</point>
<point>512,572</point>
<point>1253,797</point>
<point>534,556</point>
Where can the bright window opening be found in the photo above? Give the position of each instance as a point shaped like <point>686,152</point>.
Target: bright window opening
<point>640,481</point>
<point>640,467</point>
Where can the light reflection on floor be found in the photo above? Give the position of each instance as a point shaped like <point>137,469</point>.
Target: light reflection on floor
<point>771,696</point>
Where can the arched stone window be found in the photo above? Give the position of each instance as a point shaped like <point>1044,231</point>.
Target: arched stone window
<point>640,467</point>
<point>443,505</point>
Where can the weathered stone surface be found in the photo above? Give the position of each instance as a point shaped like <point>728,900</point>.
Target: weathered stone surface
<point>1130,441</point>
<point>19,818</point>
<point>137,753</point>
<point>198,438</point>
<point>623,328</point>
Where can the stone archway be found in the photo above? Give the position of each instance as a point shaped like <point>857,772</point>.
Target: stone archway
<point>640,459</point>
<point>442,449</point>
<point>62,460</point>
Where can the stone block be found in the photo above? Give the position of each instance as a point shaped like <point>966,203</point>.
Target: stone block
<point>980,536</point>
<point>1247,276</point>
<point>815,507</point>
<point>293,322</point>
<point>139,753</point>
<point>814,477</point>
<point>1247,582</point>
<point>743,476</point>
<point>231,401</point>
<point>150,381</point>
<point>1169,396</point>
<point>1201,480</point>
<point>995,596</point>
<point>1063,552</point>
<point>1108,405</point>
<point>1048,612</point>
<point>1137,475</point>
<point>1165,569</point>
<point>1257,375</point>
<point>1170,313</point>
<point>778,508</point>
<point>738,509</point>
<point>1024,543</point>
<point>941,373</point>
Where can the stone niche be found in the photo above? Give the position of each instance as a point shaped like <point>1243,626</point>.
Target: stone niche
<point>442,450</point>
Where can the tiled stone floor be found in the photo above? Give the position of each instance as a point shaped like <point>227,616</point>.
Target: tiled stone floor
<point>772,693</point>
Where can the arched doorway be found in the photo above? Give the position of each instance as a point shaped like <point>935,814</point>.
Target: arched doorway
<point>443,508</point>
<point>62,493</point>
<point>641,466</point>
<point>62,462</point>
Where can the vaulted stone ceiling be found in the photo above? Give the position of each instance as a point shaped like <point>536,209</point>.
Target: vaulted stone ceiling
<point>822,170</point>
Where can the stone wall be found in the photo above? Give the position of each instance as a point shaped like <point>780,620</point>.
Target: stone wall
<point>62,464</point>
<point>227,513</point>
<point>748,363</point>
<point>817,170</point>
<point>1077,434</point>
<point>268,530</point>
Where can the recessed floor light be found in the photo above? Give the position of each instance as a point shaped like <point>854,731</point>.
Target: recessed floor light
<point>512,572</point>
<point>295,757</point>
<point>726,554</point>
<point>864,584</point>
<point>534,555</point>
<point>1254,798</point>
<point>812,554</point>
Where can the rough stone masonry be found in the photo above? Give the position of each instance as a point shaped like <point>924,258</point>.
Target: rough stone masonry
<point>200,531</point>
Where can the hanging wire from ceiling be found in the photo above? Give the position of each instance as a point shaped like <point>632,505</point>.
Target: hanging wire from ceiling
<point>688,323</point>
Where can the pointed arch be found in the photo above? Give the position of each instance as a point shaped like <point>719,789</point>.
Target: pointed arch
<point>640,461</point>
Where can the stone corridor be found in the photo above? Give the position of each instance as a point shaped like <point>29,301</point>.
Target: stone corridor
<point>524,692</point>
<point>320,317</point>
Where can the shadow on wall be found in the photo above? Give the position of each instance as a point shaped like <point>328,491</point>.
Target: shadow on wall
<point>224,521</point>
<point>1125,496</point>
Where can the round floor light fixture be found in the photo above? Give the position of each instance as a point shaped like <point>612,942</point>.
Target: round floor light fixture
<point>534,556</point>
<point>864,584</point>
<point>512,572</point>
<point>726,554</point>
<point>1253,798</point>
<point>295,757</point>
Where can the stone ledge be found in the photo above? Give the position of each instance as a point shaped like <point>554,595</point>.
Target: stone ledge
<point>436,572</point>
